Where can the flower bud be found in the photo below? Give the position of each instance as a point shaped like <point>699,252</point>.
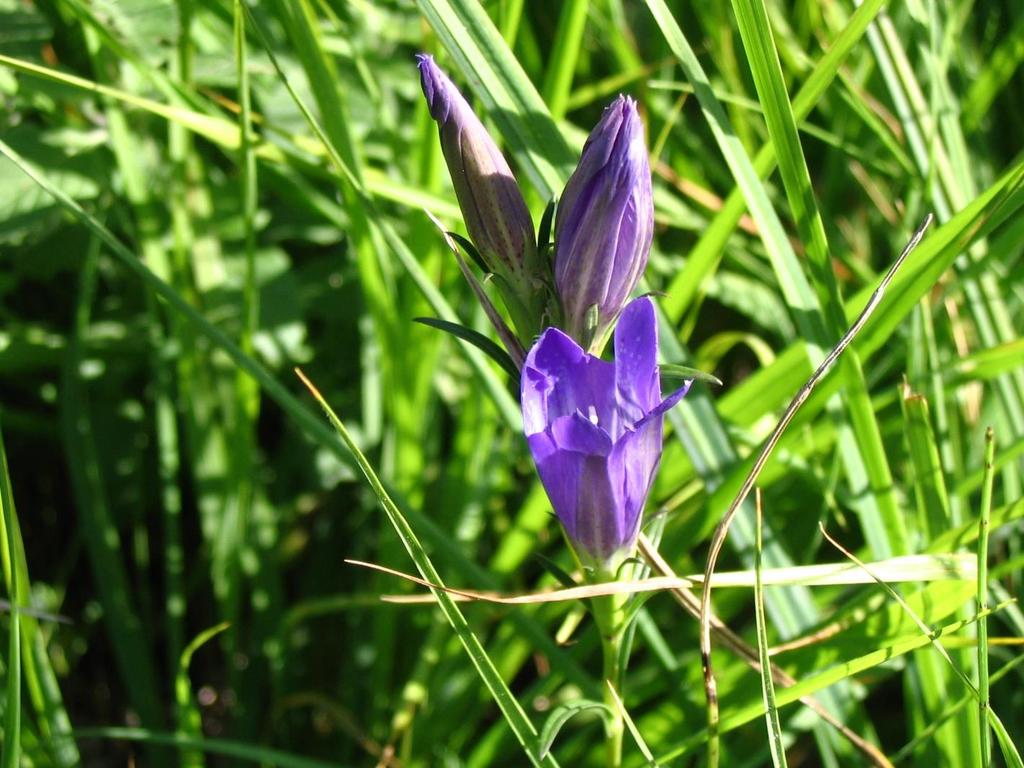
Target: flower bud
<point>604,225</point>
<point>492,204</point>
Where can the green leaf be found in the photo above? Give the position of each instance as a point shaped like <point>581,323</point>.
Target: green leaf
<point>477,339</point>
<point>563,713</point>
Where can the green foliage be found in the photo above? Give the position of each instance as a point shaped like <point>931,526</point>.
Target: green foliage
<point>198,197</point>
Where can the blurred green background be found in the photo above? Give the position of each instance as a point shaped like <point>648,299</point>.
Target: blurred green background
<point>196,198</point>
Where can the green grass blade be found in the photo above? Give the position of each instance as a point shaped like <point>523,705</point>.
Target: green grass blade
<point>711,245</point>
<point>510,707</point>
<point>10,754</point>
<point>506,405</point>
<point>1003,199</point>
<point>1010,752</point>
<point>771,712</point>
<point>998,69</point>
<point>817,682</point>
<point>984,522</point>
<point>217,130</point>
<point>126,631</point>
<point>30,665</point>
<point>270,385</point>
<point>759,44</point>
<point>562,64</point>
<point>190,722</point>
<point>791,279</point>
<point>237,750</point>
<point>932,499</point>
<point>938,149</point>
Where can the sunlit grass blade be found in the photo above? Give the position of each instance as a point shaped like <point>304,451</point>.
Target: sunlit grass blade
<point>216,129</point>
<point>776,743</point>
<point>709,249</point>
<point>984,522</point>
<point>965,700</point>
<point>938,149</point>
<point>865,454</point>
<point>562,64</point>
<point>510,707</point>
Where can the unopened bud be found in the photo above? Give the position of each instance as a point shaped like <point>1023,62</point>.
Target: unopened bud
<point>604,225</point>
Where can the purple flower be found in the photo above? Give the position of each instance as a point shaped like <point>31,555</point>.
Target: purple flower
<point>595,430</point>
<point>604,225</point>
<point>492,204</point>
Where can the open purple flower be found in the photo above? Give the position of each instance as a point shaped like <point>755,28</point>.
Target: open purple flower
<point>604,225</point>
<point>595,431</point>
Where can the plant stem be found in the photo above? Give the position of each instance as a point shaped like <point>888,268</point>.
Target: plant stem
<point>614,727</point>
<point>608,613</point>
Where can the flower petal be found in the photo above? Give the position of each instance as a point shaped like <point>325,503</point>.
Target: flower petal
<point>632,465</point>
<point>578,487</point>
<point>598,524</point>
<point>576,432</point>
<point>637,387</point>
<point>661,408</point>
<point>559,379</point>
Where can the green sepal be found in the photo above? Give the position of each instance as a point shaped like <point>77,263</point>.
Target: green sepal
<point>672,371</point>
<point>471,251</point>
<point>590,341</point>
<point>563,576</point>
<point>544,232</point>
<point>477,339</point>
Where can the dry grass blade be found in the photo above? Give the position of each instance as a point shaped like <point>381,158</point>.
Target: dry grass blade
<point>555,596</point>
<point>894,570</point>
<point>691,604</point>
<point>722,530</point>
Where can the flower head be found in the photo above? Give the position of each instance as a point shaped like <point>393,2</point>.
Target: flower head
<point>604,225</point>
<point>595,430</point>
<point>492,204</point>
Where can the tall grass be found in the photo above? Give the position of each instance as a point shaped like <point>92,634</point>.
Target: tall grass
<point>198,196</point>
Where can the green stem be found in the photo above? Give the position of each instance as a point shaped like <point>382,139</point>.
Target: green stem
<point>608,614</point>
<point>611,675</point>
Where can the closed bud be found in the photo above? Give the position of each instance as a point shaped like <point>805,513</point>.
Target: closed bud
<point>604,226</point>
<point>492,204</point>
